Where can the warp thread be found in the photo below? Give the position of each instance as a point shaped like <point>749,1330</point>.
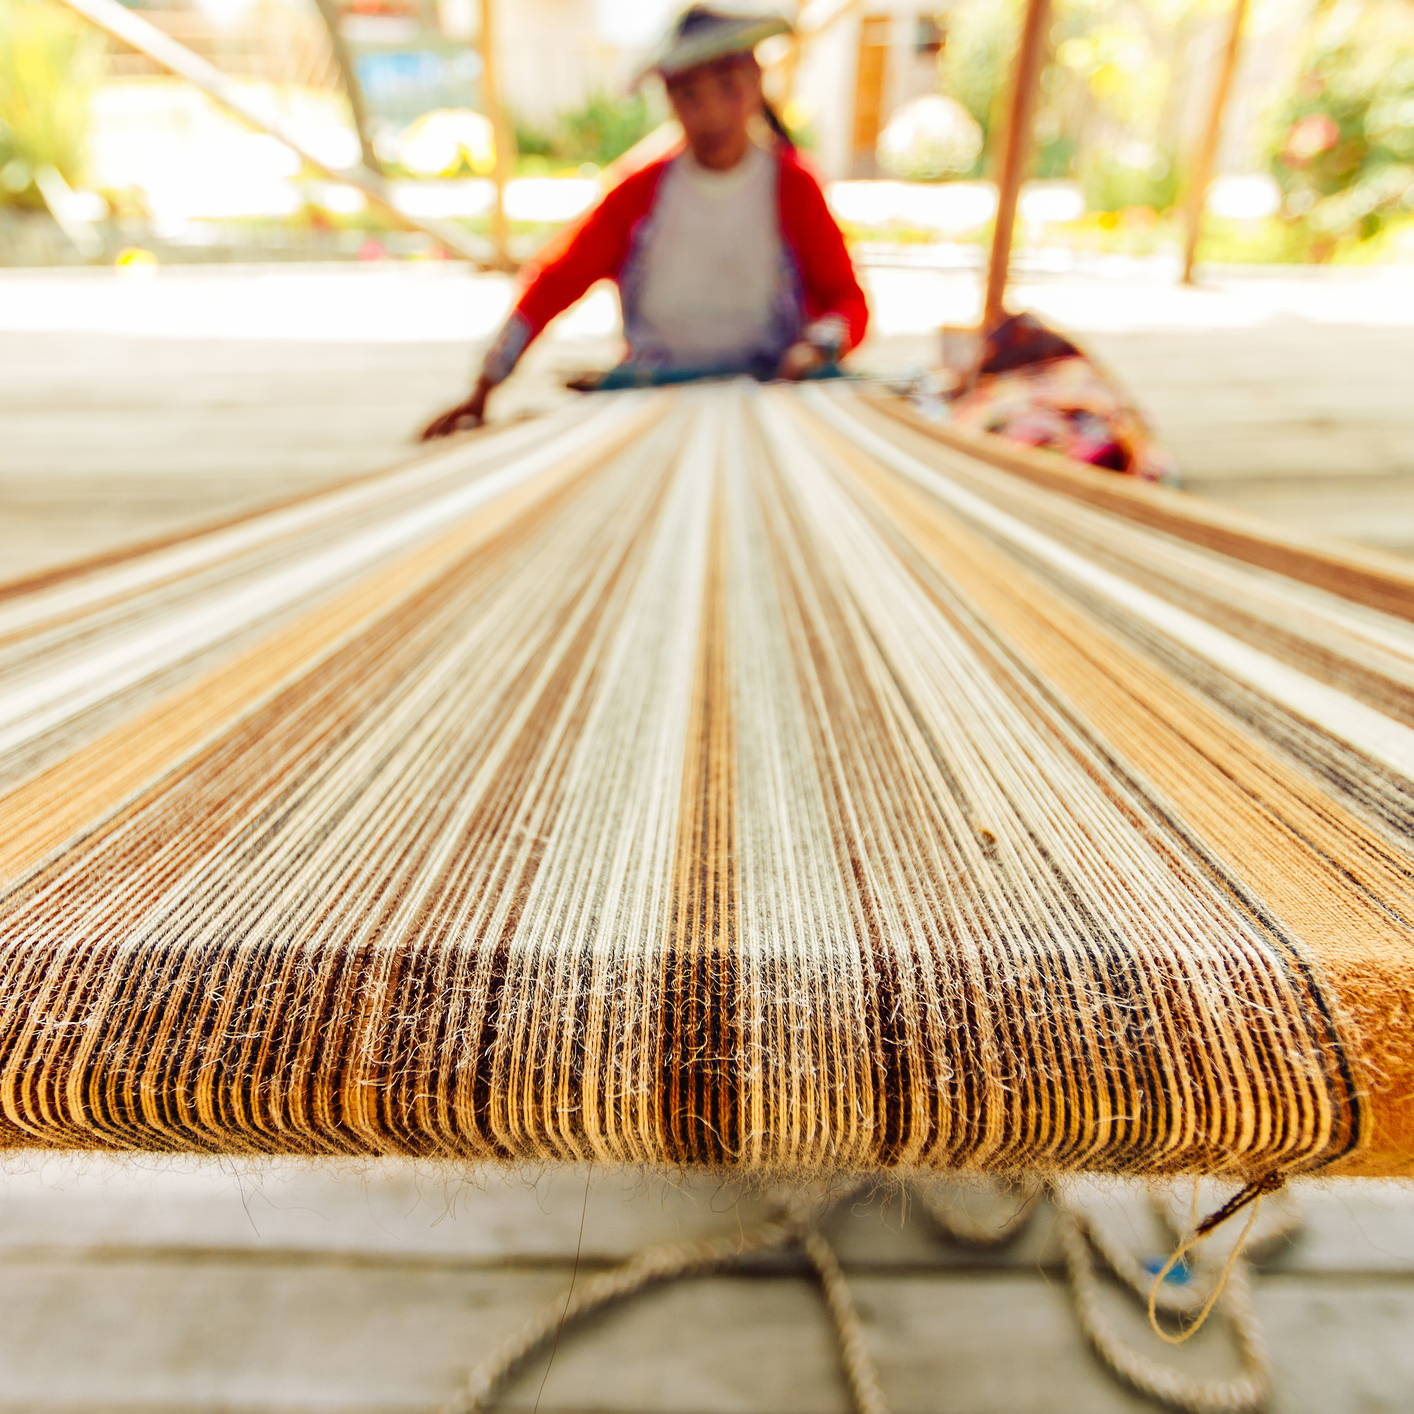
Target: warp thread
<point>737,780</point>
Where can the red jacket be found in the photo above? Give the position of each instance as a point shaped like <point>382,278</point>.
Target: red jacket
<point>606,244</point>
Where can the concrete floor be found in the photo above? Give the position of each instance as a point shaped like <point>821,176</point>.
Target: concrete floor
<point>131,406</point>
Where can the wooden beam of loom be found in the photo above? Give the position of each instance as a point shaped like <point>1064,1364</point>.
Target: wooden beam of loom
<point>725,776</point>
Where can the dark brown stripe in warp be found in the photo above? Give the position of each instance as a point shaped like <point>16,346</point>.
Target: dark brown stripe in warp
<point>389,656</point>
<point>839,739</point>
<point>147,988</point>
<point>298,1019</point>
<point>1349,772</point>
<point>1369,683</point>
<point>512,977</point>
<point>1320,1027</point>
<point>700,1046</point>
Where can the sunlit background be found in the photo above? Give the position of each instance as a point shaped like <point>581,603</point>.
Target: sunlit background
<point>104,157</point>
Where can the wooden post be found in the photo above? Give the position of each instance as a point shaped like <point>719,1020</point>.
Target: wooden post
<point>1016,148</point>
<point>502,136</point>
<point>1200,174</point>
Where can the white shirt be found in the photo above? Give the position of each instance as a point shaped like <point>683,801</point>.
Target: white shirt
<point>712,266</point>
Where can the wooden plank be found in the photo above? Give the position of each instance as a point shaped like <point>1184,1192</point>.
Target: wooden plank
<point>870,75</point>
<point>331,14</point>
<point>389,1211</point>
<point>142,1335</point>
<point>111,1208</point>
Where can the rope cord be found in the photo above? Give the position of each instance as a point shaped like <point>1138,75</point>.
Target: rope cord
<point>1213,1297</point>
<point>970,1232</point>
<point>860,1371</point>
<point>1082,1240</point>
<point>796,1226</point>
<point>791,1227</point>
<point>1240,1394</point>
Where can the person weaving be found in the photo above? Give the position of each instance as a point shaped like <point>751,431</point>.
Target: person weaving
<point>725,254</point>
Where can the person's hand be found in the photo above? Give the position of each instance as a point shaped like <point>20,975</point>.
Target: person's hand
<point>463,417</point>
<point>799,360</point>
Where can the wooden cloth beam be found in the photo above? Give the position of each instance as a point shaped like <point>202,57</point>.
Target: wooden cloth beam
<point>724,776</point>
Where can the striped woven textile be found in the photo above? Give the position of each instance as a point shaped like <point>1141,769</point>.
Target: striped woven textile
<point>732,776</point>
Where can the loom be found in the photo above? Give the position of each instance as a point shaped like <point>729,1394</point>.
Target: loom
<point>763,779</point>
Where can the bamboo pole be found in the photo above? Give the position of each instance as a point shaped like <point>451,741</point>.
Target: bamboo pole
<point>139,34</point>
<point>502,136</point>
<point>1200,175</point>
<point>1016,148</point>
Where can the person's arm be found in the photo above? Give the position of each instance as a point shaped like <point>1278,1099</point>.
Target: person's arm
<point>839,312</point>
<point>462,416</point>
<point>588,252</point>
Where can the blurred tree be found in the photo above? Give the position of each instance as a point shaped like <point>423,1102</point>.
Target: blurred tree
<point>1113,98</point>
<point>604,127</point>
<point>50,67</point>
<point>1343,148</point>
<point>977,49</point>
<point>1114,92</point>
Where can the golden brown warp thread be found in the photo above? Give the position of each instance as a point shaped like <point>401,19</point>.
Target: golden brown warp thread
<point>720,776</point>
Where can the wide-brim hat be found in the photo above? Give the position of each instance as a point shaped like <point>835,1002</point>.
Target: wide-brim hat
<point>702,34</point>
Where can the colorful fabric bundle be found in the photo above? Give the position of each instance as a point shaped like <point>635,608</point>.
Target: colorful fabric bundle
<point>1034,386</point>
<point>721,775</point>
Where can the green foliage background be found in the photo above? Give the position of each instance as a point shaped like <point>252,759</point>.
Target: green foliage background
<point>1356,94</point>
<point>603,128</point>
<point>50,66</point>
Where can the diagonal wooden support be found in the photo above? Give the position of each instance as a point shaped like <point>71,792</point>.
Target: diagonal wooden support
<point>137,33</point>
<point>1200,175</point>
